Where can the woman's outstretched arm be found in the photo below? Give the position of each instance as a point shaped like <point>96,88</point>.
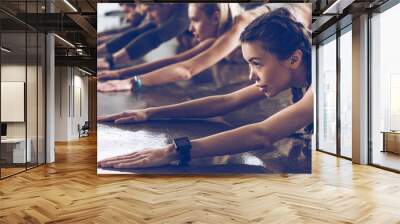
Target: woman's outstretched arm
<point>151,66</point>
<point>210,106</point>
<point>250,137</point>
<point>258,135</point>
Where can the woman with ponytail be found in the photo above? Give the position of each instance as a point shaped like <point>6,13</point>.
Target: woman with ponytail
<point>278,50</point>
<point>208,21</point>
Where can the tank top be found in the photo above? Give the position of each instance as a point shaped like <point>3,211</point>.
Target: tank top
<point>297,95</point>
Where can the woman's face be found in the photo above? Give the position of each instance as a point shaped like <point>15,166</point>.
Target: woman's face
<point>158,12</point>
<point>201,25</point>
<point>270,74</point>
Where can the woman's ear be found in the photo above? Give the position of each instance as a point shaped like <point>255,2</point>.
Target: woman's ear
<point>295,59</point>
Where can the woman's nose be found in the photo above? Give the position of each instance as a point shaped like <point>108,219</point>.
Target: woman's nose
<point>253,76</point>
<point>191,28</point>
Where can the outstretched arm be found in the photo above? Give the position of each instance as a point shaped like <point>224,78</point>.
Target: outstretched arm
<point>176,24</point>
<point>258,135</point>
<point>199,108</point>
<point>246,138</point>
<point>122,39</point>
<point>148,67</point>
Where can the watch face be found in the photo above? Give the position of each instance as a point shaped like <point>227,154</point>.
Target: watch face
<point>181,142</point>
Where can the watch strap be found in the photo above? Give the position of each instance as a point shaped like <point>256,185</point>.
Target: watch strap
<point>183,147</point>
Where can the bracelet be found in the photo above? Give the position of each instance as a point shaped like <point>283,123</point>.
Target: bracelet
<point>137,83</point>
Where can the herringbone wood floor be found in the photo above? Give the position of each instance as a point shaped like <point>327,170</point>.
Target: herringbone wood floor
<point>69,191</point>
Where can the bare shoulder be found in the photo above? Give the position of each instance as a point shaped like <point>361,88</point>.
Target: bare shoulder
<point>309,95</point>
<point>306,104</point>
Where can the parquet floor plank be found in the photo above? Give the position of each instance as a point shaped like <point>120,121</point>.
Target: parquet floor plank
<point>70,191</point>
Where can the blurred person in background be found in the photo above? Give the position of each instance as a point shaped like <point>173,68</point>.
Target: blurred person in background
<point>165,21</point>
<point>131,19</point>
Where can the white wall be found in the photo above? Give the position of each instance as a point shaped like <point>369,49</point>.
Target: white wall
<point>33,126</point>
<point>12,100</point>
<point>80,94</point>
<point>14,73</point>
<point>61,103</point>
<point>70,83</point>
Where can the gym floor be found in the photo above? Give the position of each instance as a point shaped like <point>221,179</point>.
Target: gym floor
<point>120,139</point>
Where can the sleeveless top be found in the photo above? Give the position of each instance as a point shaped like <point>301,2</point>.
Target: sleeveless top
<point>297,95</point>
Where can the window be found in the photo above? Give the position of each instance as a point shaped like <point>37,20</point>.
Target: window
<point>346,92</point>
<point>327,96</point>
<point>385,86</point>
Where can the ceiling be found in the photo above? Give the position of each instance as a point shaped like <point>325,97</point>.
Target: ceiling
<point>332,15</point>
<point>72,20</point>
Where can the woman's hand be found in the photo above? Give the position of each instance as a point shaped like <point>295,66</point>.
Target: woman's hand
<point>102,64</point>
<point>142,159</point>
<point>132,116</point>
<point>108,75</point>
<point>115,85</point>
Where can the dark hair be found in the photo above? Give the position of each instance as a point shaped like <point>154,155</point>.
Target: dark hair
<point>281,34</point>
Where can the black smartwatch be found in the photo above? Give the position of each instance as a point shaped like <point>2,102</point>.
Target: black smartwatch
<point>183,148</point>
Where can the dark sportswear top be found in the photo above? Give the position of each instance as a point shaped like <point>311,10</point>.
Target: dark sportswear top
<point>138,42</point>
